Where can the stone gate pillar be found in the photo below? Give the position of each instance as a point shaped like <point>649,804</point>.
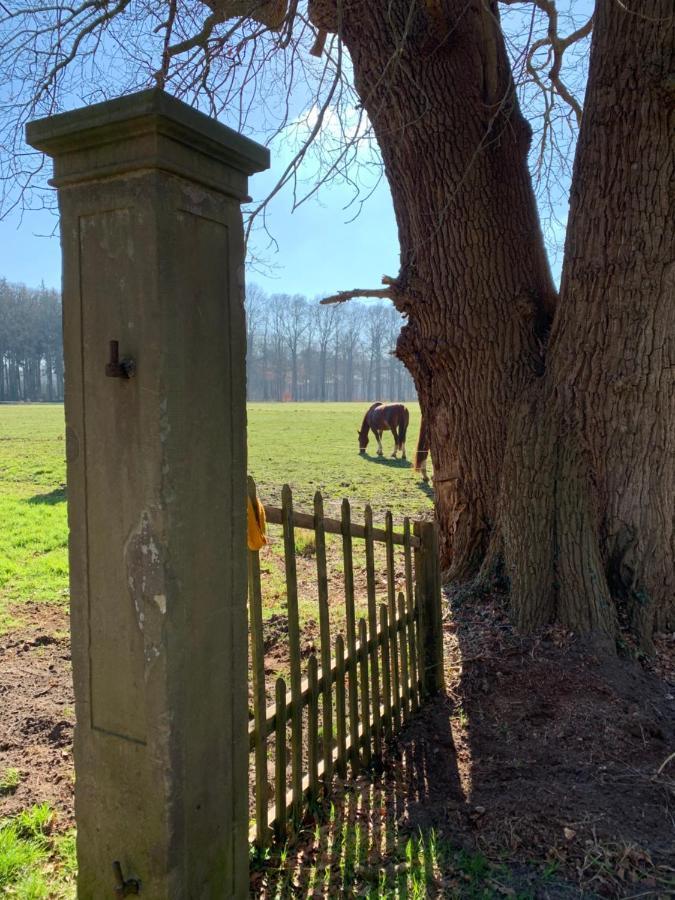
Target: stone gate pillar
<point>153,258</point>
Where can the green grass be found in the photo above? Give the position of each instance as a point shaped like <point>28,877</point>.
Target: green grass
<point>33,541</point>
<point>10,779</point>
<point>346,858</point>
<point>34,863</point>
<point>314,446</point>
<point>311,446</point>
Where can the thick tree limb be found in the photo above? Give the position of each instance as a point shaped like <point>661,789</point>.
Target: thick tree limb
<point>344,296</point>
<point>270,13</point>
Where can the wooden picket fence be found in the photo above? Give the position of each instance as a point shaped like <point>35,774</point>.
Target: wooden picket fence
<point>362,687</point>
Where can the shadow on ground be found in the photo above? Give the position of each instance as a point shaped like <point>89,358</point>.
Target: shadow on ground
<point>389,462</point>
<point>424,486</point>
<point>58,495</point>
<point>365,836</point>
<point>543,772</point>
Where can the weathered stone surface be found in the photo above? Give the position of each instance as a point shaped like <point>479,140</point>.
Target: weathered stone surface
<point>153,254</point>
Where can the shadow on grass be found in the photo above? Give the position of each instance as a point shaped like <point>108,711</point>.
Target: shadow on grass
<point>389,462</point>
<point>426,488</point>
<point>58,495</point>
<point>370,838</point>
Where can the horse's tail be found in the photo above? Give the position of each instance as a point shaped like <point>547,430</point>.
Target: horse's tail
<point>404,426</point>
<point>422,449</point>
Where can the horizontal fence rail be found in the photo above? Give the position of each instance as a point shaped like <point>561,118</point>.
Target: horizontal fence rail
<point>273,514</point>
<point>361,686</point>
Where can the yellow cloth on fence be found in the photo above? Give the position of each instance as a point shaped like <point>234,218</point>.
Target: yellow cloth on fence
<point>256,524</point>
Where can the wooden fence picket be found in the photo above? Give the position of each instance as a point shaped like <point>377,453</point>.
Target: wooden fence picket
<point>280,762</point>
<point>324,631</point>
<point>350,611</point>
<point>340,707</point>
<point>372,631</point>
<point>365,692</point>
<point>403,654</point>
<point>259,700</point>
<point>386,671</point>
<point>356,697</point>
<point>294,648</point>
<point>313,728</point>
<point>391,612</point>
<point>411,631</point>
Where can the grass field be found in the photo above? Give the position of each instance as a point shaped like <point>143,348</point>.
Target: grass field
<point>522,719</point>
<point>309,446</point>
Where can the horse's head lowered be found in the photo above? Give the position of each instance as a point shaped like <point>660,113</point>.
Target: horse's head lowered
<point>363,439</point>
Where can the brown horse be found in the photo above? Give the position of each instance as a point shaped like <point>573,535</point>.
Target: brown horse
<point>422,450</point>
<point>385,417</point>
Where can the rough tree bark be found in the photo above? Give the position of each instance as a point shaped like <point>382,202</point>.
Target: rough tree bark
<point>589,479</point>
<point>474,279</point>
<point>553,454</point>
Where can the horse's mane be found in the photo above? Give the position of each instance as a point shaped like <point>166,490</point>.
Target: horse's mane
<point>364,424</point>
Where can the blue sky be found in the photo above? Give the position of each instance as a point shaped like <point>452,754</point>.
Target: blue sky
<point>321,247</point>
<point>318,250</point>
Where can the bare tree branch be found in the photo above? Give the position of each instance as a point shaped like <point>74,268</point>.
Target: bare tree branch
<point>556,46</point>
<point>344,296</point>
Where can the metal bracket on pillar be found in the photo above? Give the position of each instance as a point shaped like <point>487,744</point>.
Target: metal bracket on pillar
<point>124,886</point>
<point>116,368</point>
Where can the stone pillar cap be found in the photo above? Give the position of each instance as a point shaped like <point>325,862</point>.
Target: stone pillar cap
<point>96,139</point>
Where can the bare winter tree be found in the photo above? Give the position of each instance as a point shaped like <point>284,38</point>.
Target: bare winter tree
<point>304,353</point>
<point>551,415</point>
<point>351,334</point>
<point>296,321</point>
<point>255,316</point>
<point>326,323</point>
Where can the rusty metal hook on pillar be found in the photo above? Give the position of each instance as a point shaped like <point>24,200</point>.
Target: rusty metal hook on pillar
<point>124,886</point>
<point>119,368</point>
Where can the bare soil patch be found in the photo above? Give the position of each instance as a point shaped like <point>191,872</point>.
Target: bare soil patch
<point>36,725</point>
<point>543,756</point>
<point>547,749</point>
<point>542,753</point>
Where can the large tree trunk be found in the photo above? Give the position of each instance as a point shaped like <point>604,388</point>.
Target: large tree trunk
<point>589,479</point>
<point>557,458</point>
<point>474,279</point>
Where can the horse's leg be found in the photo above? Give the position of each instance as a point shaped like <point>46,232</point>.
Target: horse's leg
<point>395,435</point>
<point>378,438</point>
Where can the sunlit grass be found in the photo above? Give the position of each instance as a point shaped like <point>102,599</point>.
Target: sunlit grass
<point>35,863</point>
<point>347,858</point>
<point>309,446</point>
<point>10,779</point>
<point>33,539</point>
<point>314,446</point>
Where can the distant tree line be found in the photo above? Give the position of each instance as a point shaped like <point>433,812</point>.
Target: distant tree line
<point>31,344</point>
<point>300,350</point>
<point>297,349</point>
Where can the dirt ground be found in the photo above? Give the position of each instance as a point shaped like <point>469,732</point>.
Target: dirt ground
<point>541,750</point>
<point>36,699</point>
<point>545,750</point>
